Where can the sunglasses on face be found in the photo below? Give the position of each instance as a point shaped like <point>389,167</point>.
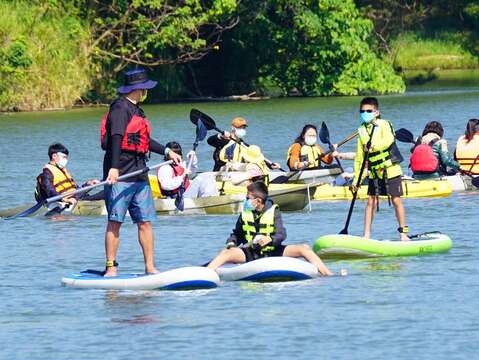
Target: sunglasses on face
<point>368,111</point>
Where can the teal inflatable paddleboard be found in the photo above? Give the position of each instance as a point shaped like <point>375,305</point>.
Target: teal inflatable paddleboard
<point>349,246</point>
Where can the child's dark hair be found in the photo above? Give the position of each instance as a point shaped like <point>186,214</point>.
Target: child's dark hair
<point>55,148</point>
<point>370,101</point>
<point>300,138</point>
<point>472,128</point>
<point>259,189</point>
<point>433,127</point>
<point>175,147</point>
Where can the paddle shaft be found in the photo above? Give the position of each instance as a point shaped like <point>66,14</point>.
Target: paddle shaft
<point>358,182</point>
<point>342,142</point>
<point>102,183</point>
<point>245,145</point>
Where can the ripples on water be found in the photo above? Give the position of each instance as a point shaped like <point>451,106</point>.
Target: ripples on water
<point>418,307</point>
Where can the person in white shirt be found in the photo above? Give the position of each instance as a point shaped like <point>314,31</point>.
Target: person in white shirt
<point>172,177</point>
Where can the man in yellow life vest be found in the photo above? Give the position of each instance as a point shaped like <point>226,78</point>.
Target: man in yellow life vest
<point>383,160</point>
<point>55,179</point>
<point>259,232</point>
<point>231,150</point>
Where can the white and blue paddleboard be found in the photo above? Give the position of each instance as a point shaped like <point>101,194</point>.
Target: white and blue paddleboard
<point>185,278</point>
<point>269,269</point>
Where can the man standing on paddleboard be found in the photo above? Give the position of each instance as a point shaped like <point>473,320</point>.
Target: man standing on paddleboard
<point>125,138</point>
<point>376,146</point>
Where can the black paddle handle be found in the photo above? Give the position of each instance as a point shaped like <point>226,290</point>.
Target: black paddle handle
<point>358,182</point>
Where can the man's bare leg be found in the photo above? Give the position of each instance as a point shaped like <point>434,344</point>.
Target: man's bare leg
<point>234,255</point>
<point>400,215</point>
<point>112,241</point>
<point>146,240</point>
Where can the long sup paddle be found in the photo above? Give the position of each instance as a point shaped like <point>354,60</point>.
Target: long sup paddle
<point>358,182</point>
<point>83,189</point>
<point>196,115</point>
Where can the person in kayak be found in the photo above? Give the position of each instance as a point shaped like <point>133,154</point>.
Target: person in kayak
<point>173,176</point>
<point>430,157</point>
<point>125,138</point>
<point>306,153</point>
<point>259,232</point>
<point>228,147</point>
<point>383,161</point>
<point>55,180</point>
<point>467,149</point>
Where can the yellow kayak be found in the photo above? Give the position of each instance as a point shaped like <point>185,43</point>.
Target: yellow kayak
<point>411,189</point>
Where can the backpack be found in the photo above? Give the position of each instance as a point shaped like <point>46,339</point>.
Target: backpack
<point>423,160</point>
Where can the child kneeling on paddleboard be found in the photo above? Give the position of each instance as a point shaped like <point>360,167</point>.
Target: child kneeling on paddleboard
<point>259,233</point>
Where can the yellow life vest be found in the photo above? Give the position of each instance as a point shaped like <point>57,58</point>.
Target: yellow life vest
<point>467,154</point>
<point>62,180</point>
<point>383,139</point>
<point>311,154</point>
<point>262,225</point>
<point>231,152</point>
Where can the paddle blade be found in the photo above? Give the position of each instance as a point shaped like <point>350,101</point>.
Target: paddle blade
<point>344,232</point>
<point>201,130</point>
<point>475,181</point>
<point>180,199</point>
<point>196,115</point>
<point>324,133</point>
<point>404,135</point>
<point>26,212</point>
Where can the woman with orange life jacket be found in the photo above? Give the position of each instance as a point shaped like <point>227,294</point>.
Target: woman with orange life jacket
<point>125,138</point>
<point>307,154</point>
<point>467,149</point>
<point>172,177</point>
<point>430,157</point>
<point>55,179</point>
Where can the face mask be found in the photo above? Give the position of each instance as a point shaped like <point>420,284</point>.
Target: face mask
<point>247,206</point>
<point>240,133</point>
<point>310,140</point>
<point>143,97</point>
<point>62,163</point>
<point>366,117</point>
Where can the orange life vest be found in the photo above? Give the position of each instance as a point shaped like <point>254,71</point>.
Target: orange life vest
<point>137,134</point>
<point>467,154</point>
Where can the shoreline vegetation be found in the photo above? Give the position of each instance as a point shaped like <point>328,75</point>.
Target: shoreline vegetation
<point>58,55</point>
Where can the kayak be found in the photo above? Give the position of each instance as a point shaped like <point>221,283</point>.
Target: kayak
<point>185,278</point>
<point>460,182</point>
<point>349,246</point>
<point>306,176</point>
<point>294,199</point>
<point>268,269</point>
<point>411,189</point>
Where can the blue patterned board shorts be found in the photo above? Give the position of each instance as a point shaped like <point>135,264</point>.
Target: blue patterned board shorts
<point>134,197</point>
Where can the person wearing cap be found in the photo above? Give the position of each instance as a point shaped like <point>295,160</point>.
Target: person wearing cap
<point>259,233</point>
<point>173,176</point>
<point>125,138</point>
<point>229,150</point>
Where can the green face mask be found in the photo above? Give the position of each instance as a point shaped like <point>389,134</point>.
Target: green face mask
<point>145,94</point>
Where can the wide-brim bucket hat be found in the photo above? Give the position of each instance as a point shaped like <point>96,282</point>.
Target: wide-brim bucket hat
<point>253,154</point>
<point>136,80</point>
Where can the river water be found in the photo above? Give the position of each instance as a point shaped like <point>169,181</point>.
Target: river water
<point>397,308</point>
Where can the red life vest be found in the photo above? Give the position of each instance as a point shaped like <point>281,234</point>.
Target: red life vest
<point>423,160</point>
<point>136,138</point>
<point>178,170</point>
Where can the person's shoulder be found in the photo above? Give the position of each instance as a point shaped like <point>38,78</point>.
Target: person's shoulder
<point>295,146</point>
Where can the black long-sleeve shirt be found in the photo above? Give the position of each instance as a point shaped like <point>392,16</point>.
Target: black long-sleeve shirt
<point>121,111</point>
<point>238,236</point>
<point>218,142</point>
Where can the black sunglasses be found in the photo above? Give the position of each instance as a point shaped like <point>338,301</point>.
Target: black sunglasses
<point>368,111</point>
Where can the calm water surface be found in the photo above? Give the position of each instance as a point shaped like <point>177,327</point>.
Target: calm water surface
<point>418,307</point>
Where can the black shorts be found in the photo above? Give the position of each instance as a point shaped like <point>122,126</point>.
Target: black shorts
<point>393,187</point>
<point>252,254</point>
